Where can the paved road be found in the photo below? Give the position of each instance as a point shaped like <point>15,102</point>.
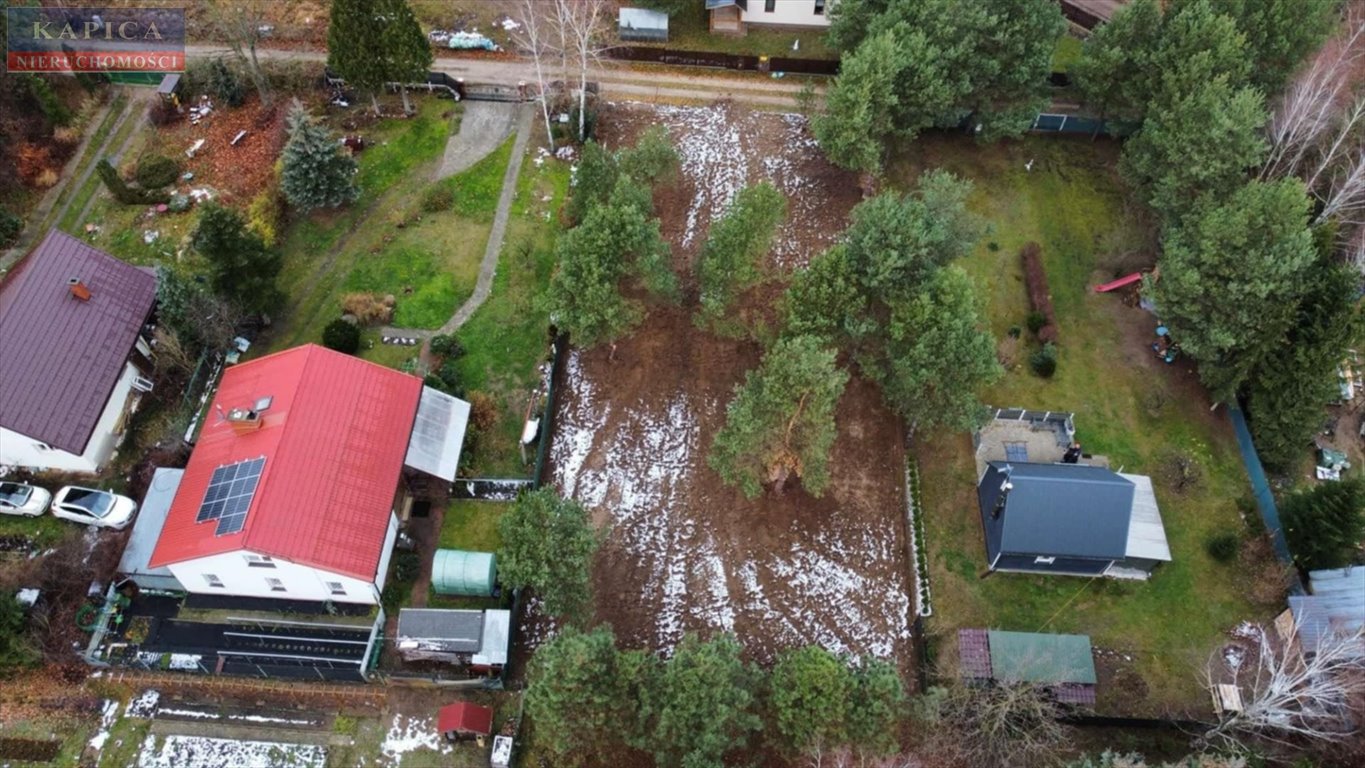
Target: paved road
<point>616,80</point>
<point>484,126</point>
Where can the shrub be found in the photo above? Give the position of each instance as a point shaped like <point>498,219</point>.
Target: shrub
<point>1039,297</point>
<point>1222,547</point>
<point>447,346</point>
<point>225,83</point>
<point>1182,470</point>
<point>126,194</point>
<point>1044,361</point>
<point>33,160</point>
<point>368,308</point>
<point>66,135</point>
<point>263,215</point>
<point>10,227</point>
<point>156,171</point>
<point>49,102</point>
<point>483,411</point>
<point>437,198</point>
<point>162,114</point>
<point>1035,322</point>
<point>341,336</point>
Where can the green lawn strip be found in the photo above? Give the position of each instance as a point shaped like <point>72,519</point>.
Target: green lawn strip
<point>94,184</point>
<point>314,269</point>
<point>471,526</point>
<point>506,339</point>
<point>89,157</point>
<point>43,530</point>
<point>397,356</point>
<point>690,31</point>
<point>1071,205</point>
<point>125,742</point>
<point>1067,52</point>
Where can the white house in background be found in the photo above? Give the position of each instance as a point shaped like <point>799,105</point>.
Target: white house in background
<point>295,482</point>
<point>735,16</point>
<point>73,358</point>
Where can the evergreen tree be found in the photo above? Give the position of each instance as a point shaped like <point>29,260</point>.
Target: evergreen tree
<point>356,48</point>
<point>781,420</point>
<point>1325,524</point>
<point>702,704</point>
<point>732,259</point>
<point>862,106</point>
<point>593,181</point>
<point>548,544</point>
<point>408,54</point>
<point>652,160</point>
<point>1279,34</point>
<point>241,268</point>
<point>876,706</point>
<point>1232,277</point>
<point>316,172</point>
<point>812,692</point>
<point>1286,395</point>
<point>1198,45</point>
<point>577,695</point>
<point>1115,72</point>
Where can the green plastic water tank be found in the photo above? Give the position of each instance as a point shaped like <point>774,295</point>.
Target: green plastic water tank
<point>457,572</point>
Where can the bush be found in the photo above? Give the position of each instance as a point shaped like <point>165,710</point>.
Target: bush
<point>1035,322</point>
<point>156,171</point>
<point>439,197</point>
<point>10,227</point>
<point>126,194</point>
<point>341,336</point>
<point>1223,547</point>
<point>1044,361</point>
<point>33,161</point>
<point>447,346</point>
<point>368,308</point>
<point>162,114</point>
<point>225,84</point>
<point>263,215</point>
<point>483,411</point>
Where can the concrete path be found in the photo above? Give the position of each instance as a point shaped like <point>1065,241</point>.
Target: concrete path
<point>484,126</point>
<point>489,267</point>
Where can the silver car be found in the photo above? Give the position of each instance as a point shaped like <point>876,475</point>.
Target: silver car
<point>23,499</point>
<point>88,506</point>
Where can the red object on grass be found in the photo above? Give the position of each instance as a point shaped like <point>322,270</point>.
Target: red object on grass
<point>1119,283</point>
<point>465,718</point>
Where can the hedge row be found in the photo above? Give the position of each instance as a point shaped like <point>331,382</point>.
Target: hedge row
<point>1038,295</point>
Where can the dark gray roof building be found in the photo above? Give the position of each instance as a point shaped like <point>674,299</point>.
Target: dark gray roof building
<point>1070,519</point>
<point>64,344</point>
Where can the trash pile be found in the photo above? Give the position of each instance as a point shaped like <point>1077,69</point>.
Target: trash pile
<point>461,40</point>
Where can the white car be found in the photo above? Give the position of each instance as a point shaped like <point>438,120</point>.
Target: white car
<point>23,499</point>
<point>88,506</point>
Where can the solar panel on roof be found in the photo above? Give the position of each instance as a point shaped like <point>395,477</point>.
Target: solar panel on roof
<point>229,494</point>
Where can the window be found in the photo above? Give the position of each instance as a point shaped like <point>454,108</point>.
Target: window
<point>259,561</point>
<point>275,584</point>
<point>336,587</point>
<point>819,7</point>
<point>213,580</point>
<point>1040,560</point>
<point>769,6</point>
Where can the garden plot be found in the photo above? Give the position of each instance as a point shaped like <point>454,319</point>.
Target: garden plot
<point>205,752</point>
<point>683,551</point>
<point>725,147</point>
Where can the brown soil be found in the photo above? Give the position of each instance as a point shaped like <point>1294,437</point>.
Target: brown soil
<point>236,173</point>
<point>684,552</point>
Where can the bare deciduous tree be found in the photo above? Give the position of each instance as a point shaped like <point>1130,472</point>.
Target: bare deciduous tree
<point>844,757</point>
<point>242,23</point>
<point>171,355</point>
<point>1289,693</point>
<point>1001,723</point>
<point>534,36</point>
<point>582,26</point>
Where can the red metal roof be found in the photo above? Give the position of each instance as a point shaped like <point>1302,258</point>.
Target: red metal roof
<point>333,438</point>
<point>60,357</point>
<point>463,717</point>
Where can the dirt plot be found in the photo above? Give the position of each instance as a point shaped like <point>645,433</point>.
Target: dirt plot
<point>683,551</point>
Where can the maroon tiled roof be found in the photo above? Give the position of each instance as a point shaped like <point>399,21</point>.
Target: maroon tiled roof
<point>974,654</point>
<point>60,357</point>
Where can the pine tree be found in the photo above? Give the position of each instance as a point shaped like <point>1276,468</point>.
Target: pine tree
<point>781,420</point>
<point>732,259</point>
<point>1326,524</point>
<point>548,544</point>
<point>355,48</point>
<point>317,173</point>
<point>408,53</point>
<point>242,269</point>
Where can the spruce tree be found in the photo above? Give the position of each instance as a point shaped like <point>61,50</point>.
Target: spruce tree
<point>355,48</point>
<point>1326,524</point>
<point>316,173</point>
<point>242,269</point>
<point>407,53</point>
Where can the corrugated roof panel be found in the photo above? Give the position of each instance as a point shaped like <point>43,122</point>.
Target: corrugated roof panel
<point>1032,657</point>
<point>1146,532</point>
<point>438,434</point>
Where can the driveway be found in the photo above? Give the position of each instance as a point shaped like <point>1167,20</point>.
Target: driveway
<point>483,128</point>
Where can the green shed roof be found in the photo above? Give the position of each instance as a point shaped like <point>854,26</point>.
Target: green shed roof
<point>1039,658</point>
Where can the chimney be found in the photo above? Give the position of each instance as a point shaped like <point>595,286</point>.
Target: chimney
<point>79,290</point>
<point>244,421</point>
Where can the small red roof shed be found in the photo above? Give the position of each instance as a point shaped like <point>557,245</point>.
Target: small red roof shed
<point>464,719</point>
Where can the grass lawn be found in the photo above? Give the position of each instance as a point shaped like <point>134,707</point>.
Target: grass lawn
<point>43,530</point>
<point>471,526</point>
<point>690,31</point>
<point>90,157</point>
<point>506,340</point>
<point>1135,411</point>
<point>322,249</point>
<point>1067,52</point>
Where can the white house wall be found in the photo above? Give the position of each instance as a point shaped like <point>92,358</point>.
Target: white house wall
<point>301,582</point>
<point>787,13</point>
<point>19,450</point>
<point>389,539</point>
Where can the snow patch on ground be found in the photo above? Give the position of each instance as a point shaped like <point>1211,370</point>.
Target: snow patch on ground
<point>107,719</point>
<point>708,142</point>
<point>188,661</point>
<point>409,733</point>
<point>145,704</point>
<point>204,752</point>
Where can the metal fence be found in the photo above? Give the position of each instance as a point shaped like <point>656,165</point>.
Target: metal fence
<point>547,419</point>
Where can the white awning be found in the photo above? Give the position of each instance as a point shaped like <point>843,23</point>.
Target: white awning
<point>1146,534</point>
<point>497,626</point>
<point>438,434</point>
<point>147,529</point>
